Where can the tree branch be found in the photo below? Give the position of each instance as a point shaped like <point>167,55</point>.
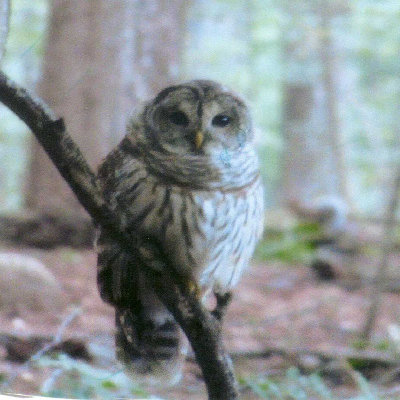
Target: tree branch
<point>199,325</point>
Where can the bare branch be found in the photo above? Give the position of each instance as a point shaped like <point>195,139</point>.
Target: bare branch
<point>199,325</point>
<point>55,341</point>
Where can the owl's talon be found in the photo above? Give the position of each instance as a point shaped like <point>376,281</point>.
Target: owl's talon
<point>193,288</point>
<point>223,301</point>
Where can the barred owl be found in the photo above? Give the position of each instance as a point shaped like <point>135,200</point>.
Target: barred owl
<point>187,176</point>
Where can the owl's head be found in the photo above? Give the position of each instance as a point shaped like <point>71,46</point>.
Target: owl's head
<point>198,118</point>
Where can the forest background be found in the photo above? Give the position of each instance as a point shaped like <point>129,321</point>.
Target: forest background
<point>323,82</point>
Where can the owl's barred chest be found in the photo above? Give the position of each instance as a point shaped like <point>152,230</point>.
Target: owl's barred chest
<point>210,234</point>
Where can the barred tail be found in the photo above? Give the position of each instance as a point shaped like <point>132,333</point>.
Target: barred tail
<point>148,340</point>
<point>150,343</point>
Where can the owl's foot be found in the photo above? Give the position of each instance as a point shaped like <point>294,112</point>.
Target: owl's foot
<point>192,287</point>
<point>223,301</point>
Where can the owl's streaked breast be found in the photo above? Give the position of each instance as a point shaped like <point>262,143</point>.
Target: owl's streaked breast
<point>186,180</point>
<point>237,225</point>
<point>209,235</point>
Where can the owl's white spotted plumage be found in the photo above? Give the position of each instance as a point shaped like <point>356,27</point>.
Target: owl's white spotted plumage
<point>186,174</point>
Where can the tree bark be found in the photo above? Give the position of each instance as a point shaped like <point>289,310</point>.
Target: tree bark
<point>201,327</point>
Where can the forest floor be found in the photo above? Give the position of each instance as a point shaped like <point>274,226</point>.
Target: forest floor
<point>275,305</point>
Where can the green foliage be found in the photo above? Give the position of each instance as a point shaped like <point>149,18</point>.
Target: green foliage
<point>360,344</point>
<point>77,379</point>
<point>383,345</point>
<point>293,244</point>
<point>294,386</point>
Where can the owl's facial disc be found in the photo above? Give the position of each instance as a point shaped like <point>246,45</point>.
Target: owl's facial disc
<point>225,120</point>
<point>204,121</point>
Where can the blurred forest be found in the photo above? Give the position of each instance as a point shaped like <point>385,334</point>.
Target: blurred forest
<point>339,57</point>
<point>323,82</point>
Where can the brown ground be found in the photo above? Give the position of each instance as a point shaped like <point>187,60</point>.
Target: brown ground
<point>274,305</point>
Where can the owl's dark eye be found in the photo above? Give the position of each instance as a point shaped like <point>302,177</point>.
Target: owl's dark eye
<point>178,118</point>
<point>221,120</point>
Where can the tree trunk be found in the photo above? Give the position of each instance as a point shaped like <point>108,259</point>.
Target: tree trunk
<point>101,58</point>
<point>82,81</point>
<point>315,180</point>
<point>329,72</point>
<point>160,40</point>
<point>313,160</point>
<point>4,17</point>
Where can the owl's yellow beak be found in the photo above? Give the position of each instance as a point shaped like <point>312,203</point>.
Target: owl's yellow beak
<point>199,139</point>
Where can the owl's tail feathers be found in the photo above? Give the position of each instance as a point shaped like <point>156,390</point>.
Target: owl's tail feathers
<point>151,348</point>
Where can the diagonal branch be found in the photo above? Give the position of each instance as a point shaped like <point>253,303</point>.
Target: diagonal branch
<point>199,325</point>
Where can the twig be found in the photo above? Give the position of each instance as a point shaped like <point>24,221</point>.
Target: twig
<point>49,346</point>
<point>51,380</point>
<point>386,248</point>
<point>199,325</point>
<point>58,336</point>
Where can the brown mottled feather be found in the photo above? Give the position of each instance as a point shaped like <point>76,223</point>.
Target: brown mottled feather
<point>201,209</point>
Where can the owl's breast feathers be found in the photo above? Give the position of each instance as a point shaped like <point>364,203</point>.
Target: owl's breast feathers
<point>207,232</point>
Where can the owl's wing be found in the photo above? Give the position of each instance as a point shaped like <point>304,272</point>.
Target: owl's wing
<point>117,273</point>
<point>148,340</point>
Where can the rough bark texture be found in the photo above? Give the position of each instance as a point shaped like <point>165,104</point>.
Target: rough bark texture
<point>202,328</point>
<point>4,17</point>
